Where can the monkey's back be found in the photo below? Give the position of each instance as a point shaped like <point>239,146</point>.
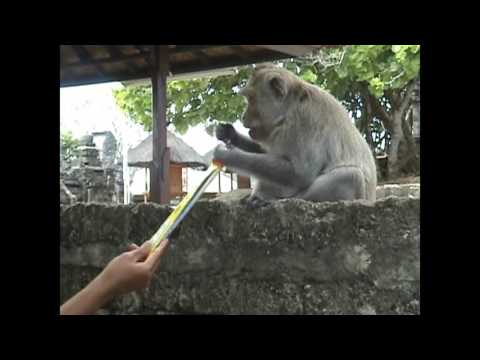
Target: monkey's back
<point>341,141</point>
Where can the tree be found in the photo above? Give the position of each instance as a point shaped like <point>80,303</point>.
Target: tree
<point>374,82</point>
<point>69,147</point>
<point>192,102</point>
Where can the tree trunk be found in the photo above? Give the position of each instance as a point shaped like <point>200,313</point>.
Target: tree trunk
<point>397,136</point>
<point>367,121</point>
<point>398,121</point>
<point>409,155</point>
<point>416,117</point>
<point>394,122</point>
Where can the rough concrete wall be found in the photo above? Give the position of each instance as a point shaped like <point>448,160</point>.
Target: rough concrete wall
<point>399,190</point>
<point>383,191</point>
<point>291,257</point>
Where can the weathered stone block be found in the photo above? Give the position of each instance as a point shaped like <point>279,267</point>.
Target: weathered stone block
<point>290,257</point>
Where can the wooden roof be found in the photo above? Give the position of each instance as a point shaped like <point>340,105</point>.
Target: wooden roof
<point>180,153</point>
<point>90,64</point>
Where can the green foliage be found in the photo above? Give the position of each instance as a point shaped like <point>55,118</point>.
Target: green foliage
<point>350,72</point>
<point>136,102</point>
<point>380,67</point>
<point>189,103</point>
<point>342,71</point>
<point>69,146</point>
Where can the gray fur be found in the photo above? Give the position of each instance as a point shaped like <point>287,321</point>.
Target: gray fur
<point>305,145</point>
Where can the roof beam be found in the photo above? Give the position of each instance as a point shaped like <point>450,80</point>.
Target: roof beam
<point>190,48</point>
<point>228,62</point>
<point>244,54</point>
<point>145,53</point>
<point>115,52</point>
<point>202,56</point>
<point>104,61</point>
<point>294,50</point>
<point>89,80</point>
<point>145,73</point>
<point>84,56</point>
<point>116,56</point>
<point>141,48</point>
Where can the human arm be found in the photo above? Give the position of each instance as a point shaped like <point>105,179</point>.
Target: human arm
<point>132,270</point>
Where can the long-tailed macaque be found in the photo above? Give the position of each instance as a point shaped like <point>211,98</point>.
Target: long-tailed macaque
<point>303,143</point>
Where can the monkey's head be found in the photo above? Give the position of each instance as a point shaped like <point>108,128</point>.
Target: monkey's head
<point>270,92</point>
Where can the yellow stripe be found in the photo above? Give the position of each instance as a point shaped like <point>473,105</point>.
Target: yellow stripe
<point>159,236</point>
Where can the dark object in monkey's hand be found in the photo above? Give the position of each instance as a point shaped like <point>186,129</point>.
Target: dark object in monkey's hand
<point>226,133</point>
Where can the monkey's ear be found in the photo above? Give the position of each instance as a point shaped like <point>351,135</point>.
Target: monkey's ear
<point>278,86</point>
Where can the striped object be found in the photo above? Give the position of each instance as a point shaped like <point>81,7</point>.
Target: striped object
<point>182,209</point>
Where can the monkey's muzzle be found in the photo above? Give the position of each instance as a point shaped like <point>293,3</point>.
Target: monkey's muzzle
<point>256,133</point>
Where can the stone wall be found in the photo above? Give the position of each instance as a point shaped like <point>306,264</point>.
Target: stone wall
<point>290,257</point>
<point>399,190</point>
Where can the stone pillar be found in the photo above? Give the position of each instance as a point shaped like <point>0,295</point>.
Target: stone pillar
<point>119,182</point>
<point>92,174</point>
<point>88,152</point>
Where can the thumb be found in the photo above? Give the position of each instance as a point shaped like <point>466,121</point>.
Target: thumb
<point>141,253</point>
<point>132,247</point>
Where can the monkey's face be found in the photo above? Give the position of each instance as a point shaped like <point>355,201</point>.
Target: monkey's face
<point>267,102</point>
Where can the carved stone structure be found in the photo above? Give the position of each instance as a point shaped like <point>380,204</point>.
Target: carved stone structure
<point>91,180</point>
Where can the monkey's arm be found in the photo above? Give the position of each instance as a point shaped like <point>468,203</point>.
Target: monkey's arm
<point>263,166</point>
<point>244,143</point>
<point>228,134</point>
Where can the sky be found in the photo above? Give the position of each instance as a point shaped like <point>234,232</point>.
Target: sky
<point>89,108</point>
<point>92,108</point>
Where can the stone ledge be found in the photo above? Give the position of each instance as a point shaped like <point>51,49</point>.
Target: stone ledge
<point>398,190</point>
<point>290,257</point>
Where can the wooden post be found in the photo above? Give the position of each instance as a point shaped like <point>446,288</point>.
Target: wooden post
<point>159,172</point>
<point>186,180</point>
<point>243,182</point>
<point>145,194</point>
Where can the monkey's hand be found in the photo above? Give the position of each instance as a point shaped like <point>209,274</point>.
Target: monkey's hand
<point>222,153</point>
<point>226,133</point>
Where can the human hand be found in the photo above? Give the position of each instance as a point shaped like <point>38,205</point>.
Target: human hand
<point>132,270</point>
<point>129,271</point>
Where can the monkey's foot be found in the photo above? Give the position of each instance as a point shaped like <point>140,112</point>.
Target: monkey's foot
<point>255,202</point>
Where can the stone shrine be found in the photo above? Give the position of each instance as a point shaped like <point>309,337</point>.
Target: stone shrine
<point>89,180</point>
